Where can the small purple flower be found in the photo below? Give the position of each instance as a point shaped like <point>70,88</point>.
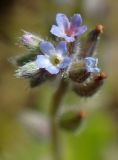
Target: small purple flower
<point>68,30</point>
<point>53,59</point>
<point>91,65</point>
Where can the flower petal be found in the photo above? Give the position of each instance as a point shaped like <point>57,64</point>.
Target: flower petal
<point>46,47</point>
<point>52,69</point>
<point>42,61</point>
<point>91,62</point>
<point>80,30</point>
<point>62,48</point>
<point>93,70</point>
<point>62,21</point>
<point>76,21</point>
<point>65,62</point>
<point>69,39</point>
<point>57,31</point>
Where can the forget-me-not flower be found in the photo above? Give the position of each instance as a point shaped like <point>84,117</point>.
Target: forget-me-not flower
<point>68,30</point>
<point>53,59</point>
<point>91,65</point>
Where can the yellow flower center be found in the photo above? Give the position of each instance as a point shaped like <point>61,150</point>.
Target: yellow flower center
<point>55,59</point>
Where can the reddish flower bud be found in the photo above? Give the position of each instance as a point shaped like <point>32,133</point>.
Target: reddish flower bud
<point>90,87</point>
<point>71,120</point>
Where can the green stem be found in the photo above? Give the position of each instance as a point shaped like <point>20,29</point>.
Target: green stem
<point>55,103</point>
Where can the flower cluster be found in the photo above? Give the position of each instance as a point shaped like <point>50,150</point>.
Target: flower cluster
<point>65,58</point>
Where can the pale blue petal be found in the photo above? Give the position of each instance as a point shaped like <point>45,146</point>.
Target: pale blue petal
<point>96,70</point>
<point>93,70</point>
<point>80,30</point>
<point>46,47</point>
<point>65,62</point>
<point>91,62</point>
<point>62,21</point>
<point>42,61</point>
<point>52,69</point>
<point>62,48</point>
<point>57,31</point>
<point>69,39</point>
<point>76,21</point>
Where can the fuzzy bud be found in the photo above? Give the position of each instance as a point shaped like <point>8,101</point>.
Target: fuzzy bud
<point>91,42</point>
<point>78,72</point>
<point>71,120</point>
<point>30,41</point>
<point>91,86</point>
<point>27,70</point>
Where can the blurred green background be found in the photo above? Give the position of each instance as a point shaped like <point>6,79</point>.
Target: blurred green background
<point>97,139</point>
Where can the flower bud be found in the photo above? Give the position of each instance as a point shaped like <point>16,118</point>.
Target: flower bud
<point>78,71</point>
<point>71,120</point>
<point>90,87</point>
<point>91,42</point>
<point>27,70</point>
<point>30,41</point>
<point>36,124</point>
<point>32,72</point>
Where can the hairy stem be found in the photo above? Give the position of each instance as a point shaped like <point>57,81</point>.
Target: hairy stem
<point>55,103</point>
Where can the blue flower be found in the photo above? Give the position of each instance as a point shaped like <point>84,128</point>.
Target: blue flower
<point>91,65</point>
<point>53,59</point>
<point>68,30</point>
